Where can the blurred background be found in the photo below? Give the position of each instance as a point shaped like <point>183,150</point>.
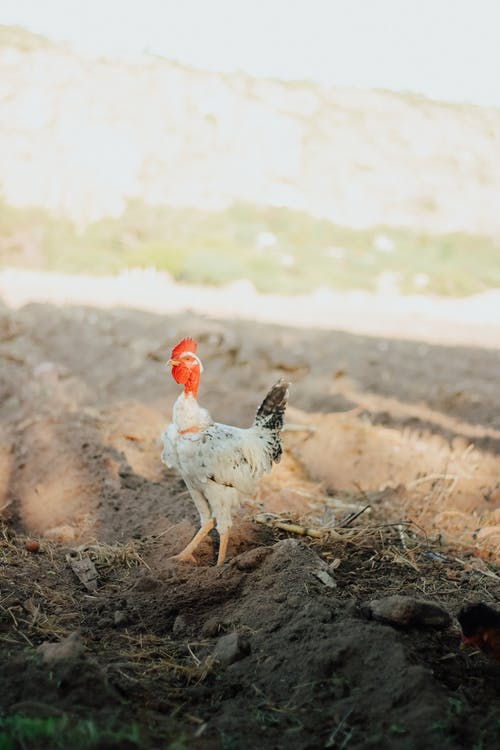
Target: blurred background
<point>306,146</point>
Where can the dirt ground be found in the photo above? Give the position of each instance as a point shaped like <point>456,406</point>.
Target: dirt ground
<point>391,456</point>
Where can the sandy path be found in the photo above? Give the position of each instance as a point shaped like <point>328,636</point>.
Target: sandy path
<point>472,321</point>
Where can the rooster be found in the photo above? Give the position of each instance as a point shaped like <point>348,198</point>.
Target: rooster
<point>480,628</point>
<point>220,465</point>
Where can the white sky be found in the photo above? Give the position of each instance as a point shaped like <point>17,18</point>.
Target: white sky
<point>446,49</point>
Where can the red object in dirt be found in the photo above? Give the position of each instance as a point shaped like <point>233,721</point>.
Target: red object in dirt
<point>480,628</point>
<point>32,545</point>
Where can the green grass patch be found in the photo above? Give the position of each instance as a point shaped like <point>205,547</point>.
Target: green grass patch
<point>25,733</point>
<point>277,249</point>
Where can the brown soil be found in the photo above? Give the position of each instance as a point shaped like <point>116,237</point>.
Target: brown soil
<point>410,429</point>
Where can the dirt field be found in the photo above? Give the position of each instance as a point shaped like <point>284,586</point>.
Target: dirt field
<point>408,428</point>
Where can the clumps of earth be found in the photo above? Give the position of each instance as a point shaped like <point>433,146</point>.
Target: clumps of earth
<point>332,624</point>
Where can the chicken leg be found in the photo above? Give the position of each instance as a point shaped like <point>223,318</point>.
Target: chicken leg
<point>224,538</point>
<point>187,553</point>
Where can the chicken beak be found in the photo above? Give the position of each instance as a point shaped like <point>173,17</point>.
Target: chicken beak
<point>173,362</point>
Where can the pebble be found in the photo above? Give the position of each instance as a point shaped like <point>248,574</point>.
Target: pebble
<point>325,578</point>
<point>68,648</point>
<point>231,648</point>
<point>211,627</point>
<point>406,612</point>
<point>252,558</point>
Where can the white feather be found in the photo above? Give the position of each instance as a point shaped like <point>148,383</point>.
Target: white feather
<point>222,463</point>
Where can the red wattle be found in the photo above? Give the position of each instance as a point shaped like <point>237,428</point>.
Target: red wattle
<point>189,377</point>
<point>192,385</point>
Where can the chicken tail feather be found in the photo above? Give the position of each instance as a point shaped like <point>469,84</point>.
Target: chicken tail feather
<point>271,412</point>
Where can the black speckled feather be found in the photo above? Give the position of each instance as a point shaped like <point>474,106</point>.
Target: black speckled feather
<point>270,416</point>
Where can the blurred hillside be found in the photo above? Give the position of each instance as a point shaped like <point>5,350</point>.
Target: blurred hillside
<point>81,136</point>
<point>112,164</point>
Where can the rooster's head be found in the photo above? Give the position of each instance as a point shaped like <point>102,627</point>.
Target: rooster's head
<point>186,365</point>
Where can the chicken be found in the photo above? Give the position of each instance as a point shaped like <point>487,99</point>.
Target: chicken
<point>480,628</point>
<point>220,465</point>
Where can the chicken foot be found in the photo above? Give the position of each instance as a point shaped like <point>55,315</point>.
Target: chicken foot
<point>187,553</point>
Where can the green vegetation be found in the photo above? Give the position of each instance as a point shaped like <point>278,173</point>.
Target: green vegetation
<point>23,732</point>
<point>277,249</point>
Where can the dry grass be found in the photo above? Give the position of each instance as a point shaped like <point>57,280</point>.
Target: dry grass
<point>34,607</point>
<point>47,607</point>
<point>148,654</point>
<point>405,475</point>
<point>42,599</point>
<point>403,543</point>
<point>150,658</point>
<point>383,532</point>
<point>108,556</point>
<point>36,604</point>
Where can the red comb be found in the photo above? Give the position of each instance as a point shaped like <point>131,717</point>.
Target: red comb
<point>186,345</point>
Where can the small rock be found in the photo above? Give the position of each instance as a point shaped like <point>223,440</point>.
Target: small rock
<point>252,558</point>
<point>325,578</point>
<point>31,545</point>
<point>85,571</point>
<point>211,627</point>
<point>230,648</point>
<point>69,648</point>
<point>406,611</point>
